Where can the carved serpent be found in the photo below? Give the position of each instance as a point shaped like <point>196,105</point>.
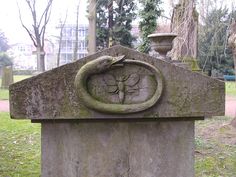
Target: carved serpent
<point>102,64</point>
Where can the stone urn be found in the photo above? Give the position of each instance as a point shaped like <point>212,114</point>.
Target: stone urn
<point>162,42</point>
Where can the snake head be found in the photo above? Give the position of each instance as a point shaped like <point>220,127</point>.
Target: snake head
<point>106,62</point>
<point>118,60</point>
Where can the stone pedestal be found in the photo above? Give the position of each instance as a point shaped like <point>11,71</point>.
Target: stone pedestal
<point>117,113</point>
<point>144,149</point>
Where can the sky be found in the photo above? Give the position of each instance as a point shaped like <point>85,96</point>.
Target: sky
<point>11,26</point>
<point>10,22</point>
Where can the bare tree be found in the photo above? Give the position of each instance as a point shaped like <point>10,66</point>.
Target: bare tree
<point>37,33</point>
<point>75,57</point>
<point>61,26</point>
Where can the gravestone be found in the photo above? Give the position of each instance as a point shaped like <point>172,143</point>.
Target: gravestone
<point>117,113</point>
<point>7,77</point>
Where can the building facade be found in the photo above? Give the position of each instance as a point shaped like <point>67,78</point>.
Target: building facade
<point>23,59</point>
<point>69,40</point>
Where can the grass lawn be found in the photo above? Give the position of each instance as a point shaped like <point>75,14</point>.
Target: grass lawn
<point>231,88</point>
<point>4,94</point>
<point>215,153</point>
<point>19,148</point>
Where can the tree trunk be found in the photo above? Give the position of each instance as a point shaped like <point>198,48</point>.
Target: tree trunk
<point>59,49</point>
<point>232,42</point>
<point>234,56</point>
<point>110,22</point>
<point>40,59</point>
<point>62,26</point>
<point>92,27</point>
<point>75,53</point>
<point>184,22</point>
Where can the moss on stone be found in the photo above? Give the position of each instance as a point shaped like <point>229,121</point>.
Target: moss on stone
<point>84,113</point>
<point>192,62</point>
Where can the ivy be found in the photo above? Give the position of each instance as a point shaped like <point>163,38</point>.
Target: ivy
<point>148,24</point>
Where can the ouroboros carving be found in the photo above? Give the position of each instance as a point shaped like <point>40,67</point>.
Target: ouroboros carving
<point>103,64</point>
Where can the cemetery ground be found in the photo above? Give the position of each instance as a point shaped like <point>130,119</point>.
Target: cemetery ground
<point>215,153</point>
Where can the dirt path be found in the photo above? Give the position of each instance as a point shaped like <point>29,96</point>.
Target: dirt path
<point>4,106</point>
<point>230,106</point>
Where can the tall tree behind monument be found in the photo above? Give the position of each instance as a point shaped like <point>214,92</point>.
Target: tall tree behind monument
<point>37,30</point>
<point>60,37</point>
<point>75,52</point>
<point>149,13</point>
<point>114,25</point>
<point>92,27</point>
<point>213,52</point>
<point>184,22</point>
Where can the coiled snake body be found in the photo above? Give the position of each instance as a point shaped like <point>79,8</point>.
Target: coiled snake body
<point>103,64</point>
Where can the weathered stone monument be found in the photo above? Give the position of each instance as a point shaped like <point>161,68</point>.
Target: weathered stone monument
<point>117,113</point>
<point>7,77</point>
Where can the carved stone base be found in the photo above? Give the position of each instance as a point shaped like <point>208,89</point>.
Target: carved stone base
<point>112,149</point>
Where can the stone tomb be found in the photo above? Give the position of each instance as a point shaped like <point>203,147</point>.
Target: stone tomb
<point>117,113</point>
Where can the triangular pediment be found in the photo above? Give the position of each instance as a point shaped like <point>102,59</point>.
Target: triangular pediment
<point>56,94</point>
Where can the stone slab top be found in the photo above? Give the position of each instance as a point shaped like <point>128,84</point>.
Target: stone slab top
<point>117,83</point>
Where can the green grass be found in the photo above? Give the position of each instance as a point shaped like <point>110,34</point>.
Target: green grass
<point>231,88</point>
<point>215,153</point>
<point>18,78</point>
<point>4,94</point>
<point>19,147</point>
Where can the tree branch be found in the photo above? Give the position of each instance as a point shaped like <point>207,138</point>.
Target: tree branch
<point>45,11</point>
<point>32,37</point>
<point>32,10</point>
<point>47,14</point>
